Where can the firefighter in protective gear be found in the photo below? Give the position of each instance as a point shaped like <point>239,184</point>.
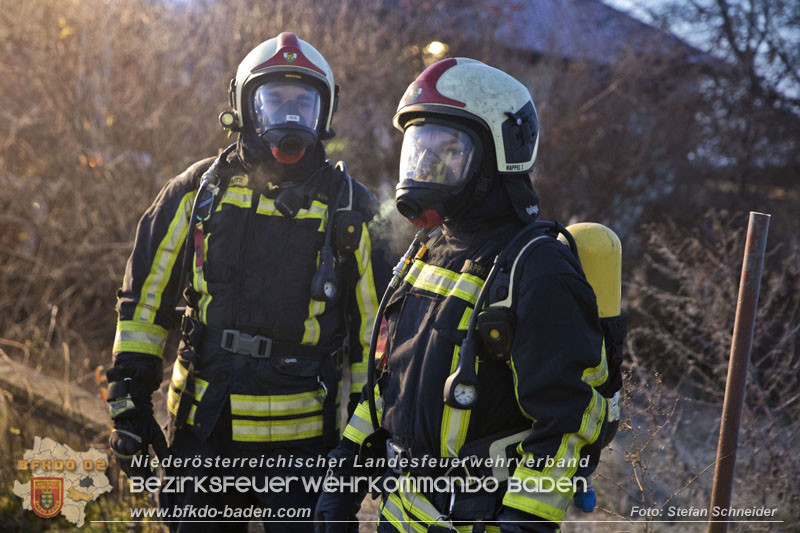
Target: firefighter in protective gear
<point>269,246</point>
<point>470,139</point>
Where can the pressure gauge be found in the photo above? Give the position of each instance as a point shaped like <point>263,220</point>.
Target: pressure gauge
<point>465,394</point>
<point>330,289</point>
<point>461,387</point>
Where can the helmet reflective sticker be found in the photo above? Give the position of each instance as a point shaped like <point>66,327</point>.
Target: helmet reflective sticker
<point>436,154</point>
<point>466,88</point>
<point>281,102</point>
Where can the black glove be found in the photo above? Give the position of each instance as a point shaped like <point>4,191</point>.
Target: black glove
<point>336,510</point>
<point>135,428</point>
<point>132,436</point>
<point>355,399</point>
<point>513,521</point>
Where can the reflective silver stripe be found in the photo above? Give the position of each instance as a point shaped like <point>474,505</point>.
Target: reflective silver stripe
<point>163,263</point>
<point>497,451</point>
<point>550,505</point>
<point>366,298</point>
<point>597,375</point>
<point>392,512</point>
<point>179,375</point>
<point>358,377</point>
<point>277,430</point>
<point>238,196</point>
<point>415,502</point>
<point>455,421</point>
<point>134,336</point>
<point>571,443</point>
<point>311,329</point>
<point>507,301</point>
<point>318,210</point>
<point>275,405</point>
<point>201,285</point>
<point>360,425</point>
<point>444,282</point>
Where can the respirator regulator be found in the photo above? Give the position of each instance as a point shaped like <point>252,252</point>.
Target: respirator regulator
<point>286,117</point>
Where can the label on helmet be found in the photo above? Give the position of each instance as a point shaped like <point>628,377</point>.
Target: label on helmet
<point>292,118</point>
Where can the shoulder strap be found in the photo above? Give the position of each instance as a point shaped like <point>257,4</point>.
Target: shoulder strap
<point>210,188</point>
<point>502,289</point>
<point>341,166</point>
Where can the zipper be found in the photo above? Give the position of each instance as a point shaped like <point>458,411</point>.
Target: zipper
<point>243,248</point>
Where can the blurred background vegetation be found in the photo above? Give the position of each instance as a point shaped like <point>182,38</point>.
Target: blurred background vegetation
<point>670,145</point>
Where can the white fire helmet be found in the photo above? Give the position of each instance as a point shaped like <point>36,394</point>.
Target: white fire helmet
<point>288,61</point>
<point>472,90</point>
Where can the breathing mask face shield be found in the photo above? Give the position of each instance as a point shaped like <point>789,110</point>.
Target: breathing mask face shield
<point>437,163</point>
<point>286,116</point>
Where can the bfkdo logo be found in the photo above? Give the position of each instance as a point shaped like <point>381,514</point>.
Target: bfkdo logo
<point>47,495</point>
<point>62,481</point>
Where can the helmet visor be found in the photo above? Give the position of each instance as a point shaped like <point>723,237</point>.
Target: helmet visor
<point>285,103</point>
<point>436,154</point>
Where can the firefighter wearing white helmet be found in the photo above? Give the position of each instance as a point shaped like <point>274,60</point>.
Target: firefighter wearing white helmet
<point>494,350</point>
<point>269,246</point>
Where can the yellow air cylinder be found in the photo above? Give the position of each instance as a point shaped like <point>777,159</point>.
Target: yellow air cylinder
<point>601,257</point>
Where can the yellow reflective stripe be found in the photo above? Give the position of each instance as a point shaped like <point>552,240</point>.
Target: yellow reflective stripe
<point>238,196</point>
<point>179,374</point>
<point>391,510</point>
<point>417,507</point>
<point>571,443</point>
<point>277,430</point>
<point>358,377</point>
<point>552,505</point>
<point>455,421</point>
<point>547,505</point>
<point>201,285</point>
<point>418,504</point>
<point>597,375</point>
<point>172,405</point>
<point>444,282</point>
<point>133,336</point>
<point>275,405</point>
<point>311,329</point>
<point>516,390</point>
<point>163,263</point>
<point>318,210</point>
<point>360,425</point>
<point>366,298</point>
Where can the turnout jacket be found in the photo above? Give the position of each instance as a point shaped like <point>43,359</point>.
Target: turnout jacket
<point>545,400</point>
<point>251,272</point>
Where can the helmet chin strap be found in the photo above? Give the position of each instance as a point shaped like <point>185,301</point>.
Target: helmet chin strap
<point>287,159</point>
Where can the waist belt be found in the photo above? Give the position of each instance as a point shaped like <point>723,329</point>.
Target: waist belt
<point>241,342</point>
<point>259,346</point>
<point>236,341</point>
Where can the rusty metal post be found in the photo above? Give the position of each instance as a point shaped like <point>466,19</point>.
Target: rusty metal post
<point>741,344</point>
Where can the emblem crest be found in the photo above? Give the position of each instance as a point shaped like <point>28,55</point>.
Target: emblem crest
<point>413,95</point>
<point>289,57</point>
<point>47,495</point>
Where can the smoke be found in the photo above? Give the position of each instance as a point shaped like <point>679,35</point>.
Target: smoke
<point>391,230</point>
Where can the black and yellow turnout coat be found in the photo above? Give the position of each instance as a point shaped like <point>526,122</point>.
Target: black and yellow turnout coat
<point>251,272</point>
<point>546,401</point>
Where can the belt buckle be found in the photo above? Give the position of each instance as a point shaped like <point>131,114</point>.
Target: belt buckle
<point>230,340</point>
<point>237,342</point>
<point>260,347</point>
<point>396,456</point>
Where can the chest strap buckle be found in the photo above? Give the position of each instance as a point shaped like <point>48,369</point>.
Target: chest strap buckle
<point>237,342</point>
